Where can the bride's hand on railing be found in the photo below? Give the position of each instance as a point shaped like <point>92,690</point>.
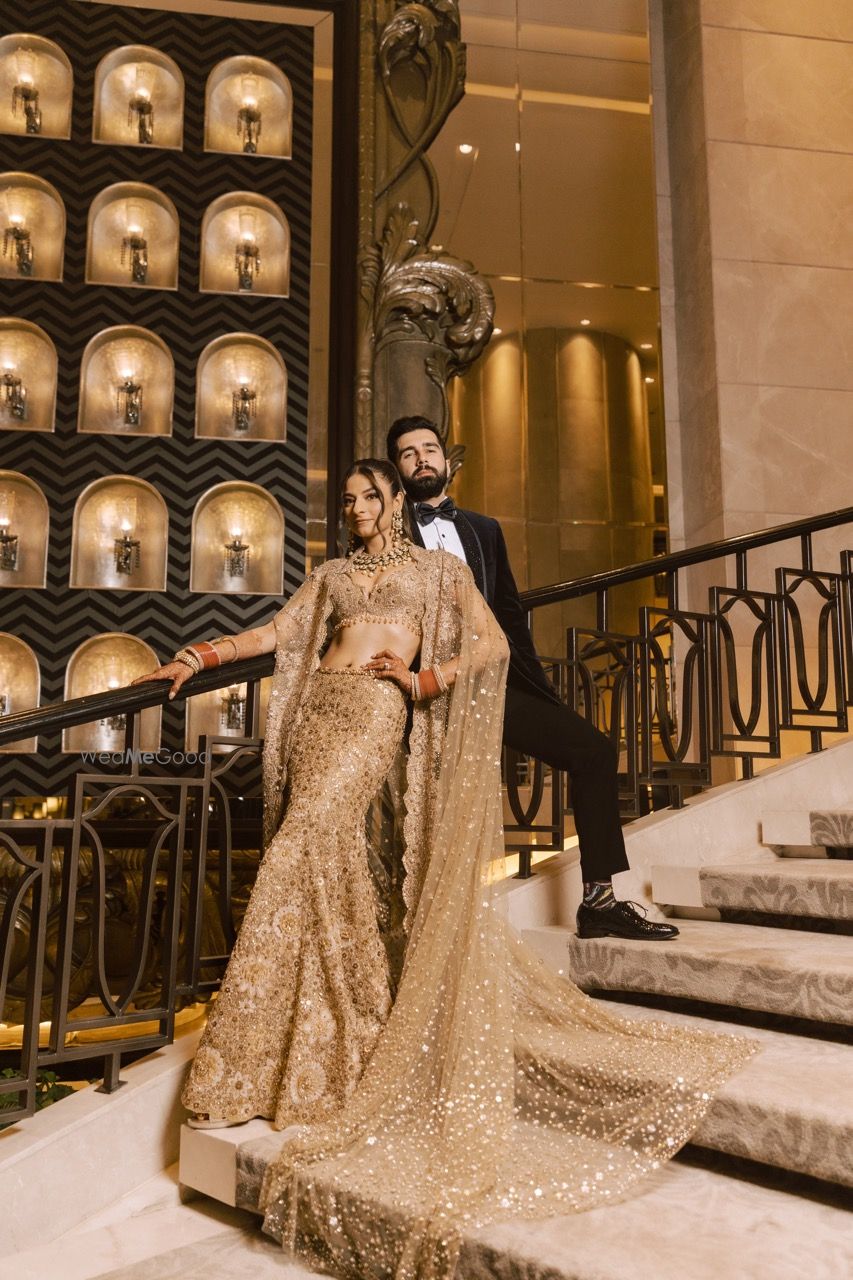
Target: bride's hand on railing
<point>178,672</point>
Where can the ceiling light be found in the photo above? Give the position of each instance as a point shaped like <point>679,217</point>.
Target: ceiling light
<point>646,346</point>
<point>518,146</point>
<point>465,148</point>
<point>648,379</point>
<point>496,331</point>
<point>644,288</point>
<point>585,322</point>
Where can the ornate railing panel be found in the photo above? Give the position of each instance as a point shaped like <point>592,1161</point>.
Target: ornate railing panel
<point>692,686</point>
<point>119,913</point>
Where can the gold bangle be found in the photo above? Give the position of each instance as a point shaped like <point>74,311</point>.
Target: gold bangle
<point>439,675</point>
<point>189,660</point>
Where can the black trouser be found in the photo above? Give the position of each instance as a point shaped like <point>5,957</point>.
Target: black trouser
<point>554,733</point>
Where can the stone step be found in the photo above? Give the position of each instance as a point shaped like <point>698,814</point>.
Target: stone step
<point>795,974</point>
<point>791,886</point>
<point>801,829</point>
<point>820,888</point>
<point>682,1221</point>
<point>790,1106</point>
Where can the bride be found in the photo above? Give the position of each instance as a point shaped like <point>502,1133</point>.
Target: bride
<point>488,1086</point>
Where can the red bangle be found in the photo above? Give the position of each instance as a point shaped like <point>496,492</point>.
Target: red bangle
<point>428,684</point>
<point>206,654</point>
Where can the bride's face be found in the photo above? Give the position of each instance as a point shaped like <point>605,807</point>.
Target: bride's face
<point>368,508</point>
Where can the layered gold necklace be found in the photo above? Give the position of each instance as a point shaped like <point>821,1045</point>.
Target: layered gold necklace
<point>363,562</point>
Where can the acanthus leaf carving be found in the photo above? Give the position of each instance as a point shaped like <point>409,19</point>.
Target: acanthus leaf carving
<point>428,293</point>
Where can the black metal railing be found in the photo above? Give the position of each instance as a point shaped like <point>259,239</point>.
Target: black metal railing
<point>694,685</point>
<point>122,908</point>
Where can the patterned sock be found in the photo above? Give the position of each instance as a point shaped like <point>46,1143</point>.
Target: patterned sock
<point>598,893</point>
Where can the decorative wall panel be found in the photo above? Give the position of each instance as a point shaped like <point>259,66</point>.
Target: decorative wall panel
<point>36,87</point>
<point>108,662</point>
<point>28,368</point>
<point>127,383</point>
<point>181,467</point>
<point>241,389</point>
<point>249,108</point>
<point>139,98</point>
<point>32,225</point>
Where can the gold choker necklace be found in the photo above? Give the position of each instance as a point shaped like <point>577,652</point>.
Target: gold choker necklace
<point>363,562</point>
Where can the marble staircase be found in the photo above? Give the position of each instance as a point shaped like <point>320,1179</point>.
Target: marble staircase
<point>765,1188</point>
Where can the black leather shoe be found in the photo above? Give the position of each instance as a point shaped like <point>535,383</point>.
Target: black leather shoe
<point>621,920</point>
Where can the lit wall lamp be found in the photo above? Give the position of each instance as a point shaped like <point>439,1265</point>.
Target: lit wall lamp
<point>128,395</point>
<point>15,394</point>
<point>114,724</point>
<point>17,241</point>
<point>244,406</point>
<point>140,108</point>
<point>134,246</point>
<point>249,122</point>
<point>247,258</point>
<point>25,94</point>
<point>8,540</point>
<point>126,550</point>
<point>232,709</point>
<point>236,554</point>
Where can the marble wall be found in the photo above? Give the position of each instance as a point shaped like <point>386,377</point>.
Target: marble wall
<point>754,141</point>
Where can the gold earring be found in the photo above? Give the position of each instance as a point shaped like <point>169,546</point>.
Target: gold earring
<point>397,525</point>
<point>351,544</point>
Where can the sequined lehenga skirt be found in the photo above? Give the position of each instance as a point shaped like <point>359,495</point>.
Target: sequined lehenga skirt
<point>306,992</point>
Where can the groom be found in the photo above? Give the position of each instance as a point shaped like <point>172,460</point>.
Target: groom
<point>536,722</point>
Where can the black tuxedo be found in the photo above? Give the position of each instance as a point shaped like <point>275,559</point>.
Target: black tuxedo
<point>486,553</point>
<point>536,722</point>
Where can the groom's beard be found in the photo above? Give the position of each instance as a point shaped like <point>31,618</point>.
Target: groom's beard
<point>427,484</point>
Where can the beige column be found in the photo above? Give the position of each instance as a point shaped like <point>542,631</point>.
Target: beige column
<point>561,457</point>
<point>755,188</point>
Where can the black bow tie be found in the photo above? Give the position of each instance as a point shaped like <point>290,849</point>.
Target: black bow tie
<point>446,510</point>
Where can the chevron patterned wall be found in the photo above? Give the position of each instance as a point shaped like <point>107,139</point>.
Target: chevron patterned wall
<point>56,620</point>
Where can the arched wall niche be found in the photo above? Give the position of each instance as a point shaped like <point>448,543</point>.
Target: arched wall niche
<point>36,87</point>
<point>221,713</point>
<point>32,228</point>
<point>120,536</point>
<point>109,661</point>
<point>19,684</point>
<point>28,367</point>
<point>248,108</point>
<point>127,383</point>
<point>237,541</point>
<point>245,246</point>
<point>241,390</point>
<point>139,99</point>
<point>24,531</point>
<point>133,238</point>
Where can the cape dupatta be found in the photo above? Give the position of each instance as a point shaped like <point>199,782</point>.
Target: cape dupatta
<point>496,1089</point>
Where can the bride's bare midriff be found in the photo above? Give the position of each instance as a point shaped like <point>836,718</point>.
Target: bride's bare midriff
<point>354,646</point>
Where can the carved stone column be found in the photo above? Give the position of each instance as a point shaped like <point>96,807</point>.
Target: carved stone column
<point>424,315</point>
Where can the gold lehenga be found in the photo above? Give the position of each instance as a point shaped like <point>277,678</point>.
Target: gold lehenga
<point>306,992</point>
<point>495,1088</point>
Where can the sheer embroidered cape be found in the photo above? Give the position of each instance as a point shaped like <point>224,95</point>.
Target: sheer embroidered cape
<point>497,1089</point>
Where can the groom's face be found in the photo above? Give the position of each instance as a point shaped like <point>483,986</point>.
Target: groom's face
<point>422,464</point>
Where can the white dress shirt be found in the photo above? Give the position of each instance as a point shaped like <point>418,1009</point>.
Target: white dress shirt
<point>442,535</point>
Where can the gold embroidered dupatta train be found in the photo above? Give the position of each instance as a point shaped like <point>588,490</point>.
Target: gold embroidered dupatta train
<point>497,1089</point>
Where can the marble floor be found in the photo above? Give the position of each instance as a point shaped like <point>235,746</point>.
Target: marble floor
<point>151,1235</point>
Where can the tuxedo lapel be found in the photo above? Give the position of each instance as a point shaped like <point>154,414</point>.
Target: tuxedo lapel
<point>473,549</point>
<point>417,536</point>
